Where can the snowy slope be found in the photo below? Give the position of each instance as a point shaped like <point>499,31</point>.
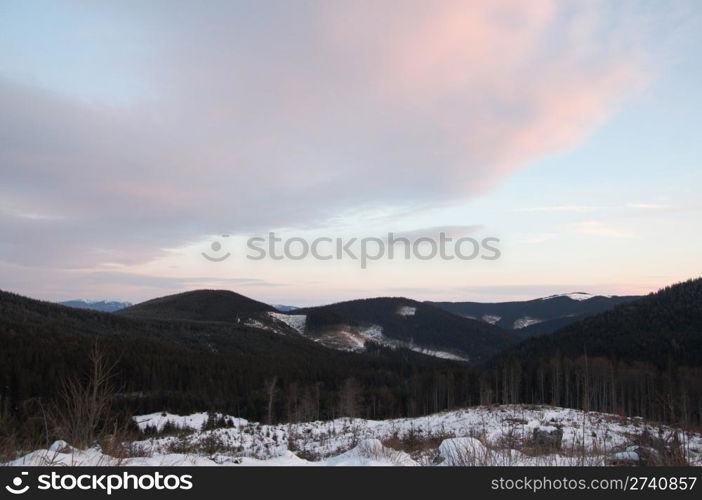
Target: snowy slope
<point>500,435</point>
<point>294,321</point>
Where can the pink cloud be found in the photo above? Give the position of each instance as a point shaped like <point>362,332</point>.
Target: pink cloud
<point>496,83</point>
<point>277,115</point>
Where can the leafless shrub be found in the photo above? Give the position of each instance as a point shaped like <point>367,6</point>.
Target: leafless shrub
<point>9,448</point>
<point>374,449</point>
<point>512,435</point>
<point>206,444</point>
<point>84,404</point>
<point>119,443</point>
<point>665,449</point>
<point>422,448</point>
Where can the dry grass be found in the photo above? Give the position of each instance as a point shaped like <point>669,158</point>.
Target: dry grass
<point>415,443</point>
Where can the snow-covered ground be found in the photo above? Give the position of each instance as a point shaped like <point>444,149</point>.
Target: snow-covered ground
<point>348,337</point>
<point>490,318</point>
<point>501,435</point>
<point>354,338</point>
<point>437,353</point>
<point>525,321</point>
<point>406,311</point>
<point>375,334</point>
<point>294,321</point>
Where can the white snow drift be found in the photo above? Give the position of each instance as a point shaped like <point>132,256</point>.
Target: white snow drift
<point>500,435</point>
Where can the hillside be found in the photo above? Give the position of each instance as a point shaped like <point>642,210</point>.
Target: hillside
<point>663,326</point>
<point>643,358</point>
<point>401,321</point>
<point>532,318</point>
<point>191,365</point>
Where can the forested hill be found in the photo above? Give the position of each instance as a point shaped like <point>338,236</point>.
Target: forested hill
<point>659,328</point>
<point>198,305</point>
<point>187,366</point>
<point>532,318</point>
<point>409,321</point>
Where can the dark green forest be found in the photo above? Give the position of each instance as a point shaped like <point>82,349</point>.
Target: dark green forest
<point>186,366</point>
<point>197,305</point>
<point>553,312</point>
<point>642,358</point>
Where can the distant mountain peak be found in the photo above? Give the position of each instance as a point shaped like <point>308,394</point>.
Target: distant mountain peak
<point>540,316</point>
<point>576,296</point>
<point>284,308</point>
<point>655,329</point>
<point>98,305</point>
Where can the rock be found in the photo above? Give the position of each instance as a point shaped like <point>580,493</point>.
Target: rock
<point>623,458</point>
<point>60,446</point>
<point>634,456</point>
<point>548,437</point>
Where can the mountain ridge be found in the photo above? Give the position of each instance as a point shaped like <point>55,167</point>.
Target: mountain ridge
<point>410,323</point>
<point>97,305</point>
<point>540,316</point>
<point>662,325</point>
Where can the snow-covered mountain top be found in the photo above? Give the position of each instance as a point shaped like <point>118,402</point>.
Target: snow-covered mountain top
<point>100,305</point>
<point>576,296</point>
<point>284,308</point>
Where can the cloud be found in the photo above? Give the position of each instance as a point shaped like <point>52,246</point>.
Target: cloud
<point>434,232</point>
<point>538,238</point>
<point>599,228</point>
<point>648,206</point>
<point>272,114</point>
<point>95,284</point>
<point>560,208</point>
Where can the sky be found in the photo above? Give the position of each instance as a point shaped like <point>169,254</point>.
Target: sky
<point>137,136</point>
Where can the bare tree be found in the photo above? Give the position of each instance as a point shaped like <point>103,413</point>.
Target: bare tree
<point>85,403</point>
<point>270,389</point>
<point>350,398</point>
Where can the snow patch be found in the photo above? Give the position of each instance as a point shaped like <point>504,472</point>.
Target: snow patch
<point>406,311</point>
<point>254,323</point>
<point>372,332</point>
<point>524,322</point>
<point>579,296</point>
<point>438,354</point>
<point>375,333</point>
<point>626,456</point>
<point>294,321</point>
<point>371,452</point>
<point>60,446</point>
<point>489,318</point>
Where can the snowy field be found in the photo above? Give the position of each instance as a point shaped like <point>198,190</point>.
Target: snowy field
<point>500,435</point>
